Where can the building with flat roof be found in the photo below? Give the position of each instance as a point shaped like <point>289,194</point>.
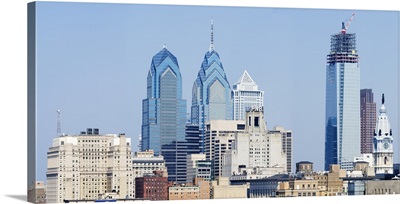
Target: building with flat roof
<point>37,192</point>
<point>221,188</point>
<point>152,186</point>
<point>81,167</point>
<point>368,120</point>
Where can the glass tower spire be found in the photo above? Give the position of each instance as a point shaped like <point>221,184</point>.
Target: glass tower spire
<point>211,92</point>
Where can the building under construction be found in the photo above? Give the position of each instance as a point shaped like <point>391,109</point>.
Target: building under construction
<point>342,116</point>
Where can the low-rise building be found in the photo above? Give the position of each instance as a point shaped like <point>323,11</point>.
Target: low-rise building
<point>152,187</point>
<point>199,189</point>
<point>382,187</point>
<point>221,188</point>
<point>37,192</point>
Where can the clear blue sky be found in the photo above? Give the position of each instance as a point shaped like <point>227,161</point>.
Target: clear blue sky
<point>92,63</point>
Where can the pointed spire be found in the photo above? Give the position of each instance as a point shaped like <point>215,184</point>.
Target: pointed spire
<point>164,46</point>
<point>212,35</point>
<point>383,98</point>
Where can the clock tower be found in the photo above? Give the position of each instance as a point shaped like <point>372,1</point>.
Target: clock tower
<point>383,143</point>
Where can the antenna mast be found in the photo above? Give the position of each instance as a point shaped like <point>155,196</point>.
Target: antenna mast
<point>58,122</point>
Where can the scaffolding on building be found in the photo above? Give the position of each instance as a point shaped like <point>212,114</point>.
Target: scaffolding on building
<point>343,48</point>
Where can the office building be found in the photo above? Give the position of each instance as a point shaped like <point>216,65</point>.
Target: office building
<point>220,138</point>
<point>342,116</point>
<point>245,96</point>
<point>287,144</point>
<point>383,143</point>
<point>211,92</point>
<point>254,147</point>
<point>85,166</point>
<point>368,120</point>
<point>164,110</point>
<point>145,162</point>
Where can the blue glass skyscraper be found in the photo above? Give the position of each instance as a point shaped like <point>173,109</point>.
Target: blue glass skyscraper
<point>164,110</point>
<point>342,116</point>
<point>211,93</point>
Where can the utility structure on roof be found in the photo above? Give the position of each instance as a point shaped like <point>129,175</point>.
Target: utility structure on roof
<point>342,116</point>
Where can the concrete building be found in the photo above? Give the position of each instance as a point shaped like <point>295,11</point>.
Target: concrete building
<point>298,188</point>
<point>199,189</point>
<point>37,192</point>
<point>220,138</point>
<point>221,188</point>
<point>261,187</point>
<point>383,143</point>
<point>245,96</point>
<point>382,187</point>
<point>304,167</point>
<point>191,165</point>
<point>342,116</point>
<point>81,167</point>
<point>152,186</point>
<point>145,162</point>
<point>255,147</point>
<point>368,120</point>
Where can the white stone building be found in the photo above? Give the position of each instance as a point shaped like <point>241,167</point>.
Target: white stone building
<point>85,166</point>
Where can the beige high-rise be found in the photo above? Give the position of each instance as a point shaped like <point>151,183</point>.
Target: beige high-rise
<point>82,167</point>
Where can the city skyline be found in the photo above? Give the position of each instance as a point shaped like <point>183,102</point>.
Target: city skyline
<point>279,106</point>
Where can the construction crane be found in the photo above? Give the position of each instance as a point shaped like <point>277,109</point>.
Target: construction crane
<point>345,27</point>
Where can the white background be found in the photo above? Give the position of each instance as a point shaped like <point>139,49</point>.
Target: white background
<point>13,95</point>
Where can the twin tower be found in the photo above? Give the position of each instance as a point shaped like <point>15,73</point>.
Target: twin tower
<point>164,110</point>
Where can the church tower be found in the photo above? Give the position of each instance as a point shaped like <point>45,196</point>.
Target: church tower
<point>383,143</point>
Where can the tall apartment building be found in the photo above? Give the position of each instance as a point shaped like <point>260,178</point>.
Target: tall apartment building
<point>245,96</point>
<point>164,110</point>
<point>368,120</point>
<point>342,116</point>
<point>211,92</point>
<point>84,166</point>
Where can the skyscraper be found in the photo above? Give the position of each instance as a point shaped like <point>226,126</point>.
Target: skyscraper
<point>342,116</point>
<point>368,119</point>
<point>245,96</point>
<point>164,110</point>
<point>211,92</point>
<point>383,143</point>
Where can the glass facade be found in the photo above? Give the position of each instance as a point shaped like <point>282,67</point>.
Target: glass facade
<point>342,116</point>
<point>211,94</point>
<point>164,110</point>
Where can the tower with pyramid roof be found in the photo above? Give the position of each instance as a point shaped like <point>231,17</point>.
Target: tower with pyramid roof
<point>211,92</point>
<point>245,96</point>
<point>383,143</point>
